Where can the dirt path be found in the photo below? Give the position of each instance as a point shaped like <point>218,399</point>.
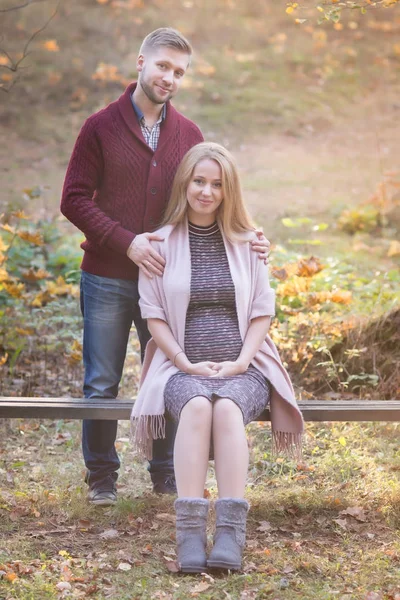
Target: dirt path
<point>325,170</point>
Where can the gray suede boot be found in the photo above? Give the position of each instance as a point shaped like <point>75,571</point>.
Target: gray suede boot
<point>230,535</point>
<point>191,537</point>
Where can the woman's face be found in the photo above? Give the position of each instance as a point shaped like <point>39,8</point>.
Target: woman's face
<point>204,193</point>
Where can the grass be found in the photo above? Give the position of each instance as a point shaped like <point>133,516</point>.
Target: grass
<point>302,541</point>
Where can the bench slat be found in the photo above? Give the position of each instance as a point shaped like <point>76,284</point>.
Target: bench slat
<point>120,409</point>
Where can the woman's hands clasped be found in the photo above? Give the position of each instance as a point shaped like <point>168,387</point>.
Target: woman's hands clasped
<point>206,368</point>
<point>227,368</point>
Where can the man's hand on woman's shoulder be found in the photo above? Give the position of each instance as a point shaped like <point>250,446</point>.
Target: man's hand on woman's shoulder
<point>142,253</point>
<point>261,245</point>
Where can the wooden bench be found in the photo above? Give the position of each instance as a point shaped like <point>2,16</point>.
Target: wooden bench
<point>108,409</point>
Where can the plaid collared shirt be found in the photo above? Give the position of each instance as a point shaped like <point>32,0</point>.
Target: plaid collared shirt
<point>150,134</point>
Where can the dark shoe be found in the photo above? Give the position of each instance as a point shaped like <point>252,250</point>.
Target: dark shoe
<point>230,535</point>
<point>191,537</point>
<point>103,492</point>
<point>164,484</point>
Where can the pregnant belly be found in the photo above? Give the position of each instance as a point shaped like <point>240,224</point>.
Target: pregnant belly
<point>212,334</point>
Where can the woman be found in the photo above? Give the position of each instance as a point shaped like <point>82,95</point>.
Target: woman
<point>210,364</point>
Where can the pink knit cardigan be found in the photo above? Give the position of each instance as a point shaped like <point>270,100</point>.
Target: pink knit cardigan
<point>167,298</point>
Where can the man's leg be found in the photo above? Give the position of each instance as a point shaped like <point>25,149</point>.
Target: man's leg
<point>107,307</point>
<point>161,466</point>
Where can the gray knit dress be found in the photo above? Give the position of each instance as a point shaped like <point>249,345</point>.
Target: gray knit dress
<point>212,333</point>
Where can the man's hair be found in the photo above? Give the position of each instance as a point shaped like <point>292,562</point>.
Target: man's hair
<point>168,38</point>
<point>232,214</point>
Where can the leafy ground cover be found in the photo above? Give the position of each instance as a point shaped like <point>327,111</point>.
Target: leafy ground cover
<point>323,529</point>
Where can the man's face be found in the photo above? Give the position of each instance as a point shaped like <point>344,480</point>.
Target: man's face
<point>161,72</point>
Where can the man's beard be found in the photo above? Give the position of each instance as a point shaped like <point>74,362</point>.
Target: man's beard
<point>148,90</point>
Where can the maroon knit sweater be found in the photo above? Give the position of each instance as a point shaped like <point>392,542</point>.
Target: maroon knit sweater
<point>117,187</point>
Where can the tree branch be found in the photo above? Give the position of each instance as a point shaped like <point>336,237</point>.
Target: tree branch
<point>4,10</point>
<point>16,65</point>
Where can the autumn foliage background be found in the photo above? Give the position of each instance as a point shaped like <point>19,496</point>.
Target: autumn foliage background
<point>307,98</point>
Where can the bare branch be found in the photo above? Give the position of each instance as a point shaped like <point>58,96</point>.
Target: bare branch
<point>35,34</point>
<point>4,10</point>
<point>16,65</point>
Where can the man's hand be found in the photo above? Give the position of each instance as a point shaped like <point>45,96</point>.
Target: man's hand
<point>143,254</point>
<point>206,368</point>
<point>262,246</point>
<point>229,368</point>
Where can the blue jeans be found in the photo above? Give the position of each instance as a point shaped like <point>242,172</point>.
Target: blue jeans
<point>109,307</point>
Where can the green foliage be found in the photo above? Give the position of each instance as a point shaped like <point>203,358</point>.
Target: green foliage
<point>364,218</point>
<point>38,292</point>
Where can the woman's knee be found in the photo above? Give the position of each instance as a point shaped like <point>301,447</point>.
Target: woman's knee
<point>198,409</point>
<point>226,413</point>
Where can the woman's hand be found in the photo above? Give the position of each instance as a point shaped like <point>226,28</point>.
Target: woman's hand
<point>206,368</point>
<point>229,368</point>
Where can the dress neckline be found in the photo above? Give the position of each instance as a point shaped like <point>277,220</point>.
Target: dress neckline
<point>202,231</point>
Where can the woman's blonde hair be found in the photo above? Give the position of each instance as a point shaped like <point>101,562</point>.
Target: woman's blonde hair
<point>233,216</point>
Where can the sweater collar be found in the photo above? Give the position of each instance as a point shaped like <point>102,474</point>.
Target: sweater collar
<point>168,125</point>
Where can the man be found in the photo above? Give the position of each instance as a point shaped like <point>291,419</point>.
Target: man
<point>116,187</point>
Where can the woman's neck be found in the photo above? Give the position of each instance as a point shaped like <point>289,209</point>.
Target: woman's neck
<point>201,220</point>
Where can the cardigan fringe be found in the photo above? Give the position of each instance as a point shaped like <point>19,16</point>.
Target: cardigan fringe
<point>288,444</point>
<point>144,430</point>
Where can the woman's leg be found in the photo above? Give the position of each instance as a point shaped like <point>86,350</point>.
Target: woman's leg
<point>192,447</point>
<point>231,453</point>
<point>231,457</point>
<point>191,451</point>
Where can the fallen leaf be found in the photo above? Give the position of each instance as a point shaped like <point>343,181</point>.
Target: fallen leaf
<point>288,569</point>
<point>109,534</point>
<point>249,567</point>
<point>123,566</point>
<point>280,274</point>
<point>341,522</point>
<point>86,523</point>
<point>62,586</point>
<point>355,511</point>
<point>307,267</point>
<point>166,517</point>
<point>148,549</point>
<point>264,526</point>
<point>172,566</point>
<point>341,296</point>
<point>200,587</point>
